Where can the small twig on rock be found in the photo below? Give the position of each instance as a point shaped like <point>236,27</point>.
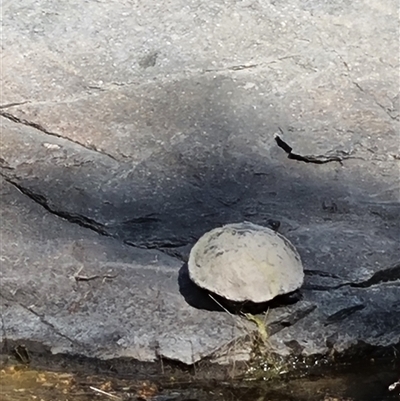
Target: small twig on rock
<point>79,277</point>
<point>105,393</point>
<point>229,313</point>
<point>88,278</point>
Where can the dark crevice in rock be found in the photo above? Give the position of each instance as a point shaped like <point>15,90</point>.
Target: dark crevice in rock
<point>162,245</point>
<point>318,287</point>
<point>324,275</point>
<point>320,159</point>
<point>386,275</point>
<point>169,247</point>
<point>343,314</point>
<point>294,346</point>
<point>42,129</point>
<point>7,105</point>
<point>71,217</point>
<point>175,253</point>
<point>290,320</point>
<point>320,273</point>
<point>5,165</point>
<point>390,274</point>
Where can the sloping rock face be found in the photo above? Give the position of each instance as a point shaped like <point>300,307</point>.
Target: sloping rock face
<point>81,293</point>
<point>129,130</point>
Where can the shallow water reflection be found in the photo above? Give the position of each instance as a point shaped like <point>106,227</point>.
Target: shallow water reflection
<point>19,383</point>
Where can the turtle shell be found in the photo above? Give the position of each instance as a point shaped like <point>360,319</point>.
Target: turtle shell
<point>245,262</point>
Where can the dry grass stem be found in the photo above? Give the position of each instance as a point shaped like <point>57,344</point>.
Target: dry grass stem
<point>105,393</point>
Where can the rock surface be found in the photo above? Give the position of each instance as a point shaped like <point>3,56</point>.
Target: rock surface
<point>245,262</point>
<point>82,293</point>
<point>130,129</point>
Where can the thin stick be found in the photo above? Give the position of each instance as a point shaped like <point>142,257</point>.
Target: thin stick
<point>104,393</point>
<point>229,313</point>
<point>88,278</point>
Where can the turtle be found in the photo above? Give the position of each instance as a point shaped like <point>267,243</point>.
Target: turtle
<point>245,262</point>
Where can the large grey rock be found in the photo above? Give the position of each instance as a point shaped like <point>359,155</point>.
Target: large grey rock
<point>81,293</point>
<point>245,262</point>
<point>151,125</point>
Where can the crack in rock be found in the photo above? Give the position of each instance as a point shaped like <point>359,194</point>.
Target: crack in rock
<point>319,159</point>
<point>382,276</point>
<point>71,217</point>
<point>43,320</point>
<point>47,323</point>
<point>343,314</point>
<point>7,105</point>
<point>291,319</point>
<point>385,109</point>
<point>163,245</point>
<point>318,287</point>
<point>320,273</point>
<point>40,128</point>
